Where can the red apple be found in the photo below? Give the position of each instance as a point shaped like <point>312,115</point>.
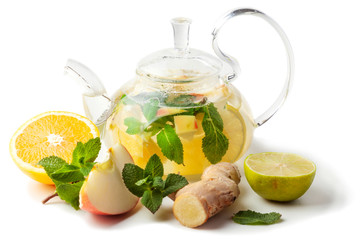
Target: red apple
<point>104,191</point>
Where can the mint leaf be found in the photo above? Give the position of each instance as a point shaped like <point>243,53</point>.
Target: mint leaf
<point>86,168</point>
<point>134,125</point>
<point>142,181</point>
<point>173,183</point>
<point>67,174</point>
<point>126,100</point>
<point>215,144</point>
<point>154,167</point>
<point>84,155</point>
<point>51,164</point>
<point>92,149</point>
<point>78,154</point>
<point>70,193</point>
<point>184,100</point>
<point>157,125</point>
<point>158,183</point>
<point>255,218</point>
<point>150,109</point>
<point>212,117</point>
<point>87,152</point>
<point>145,97</point>
<point>170,144</point>
<point>131,175</point>
<point>152,200</point>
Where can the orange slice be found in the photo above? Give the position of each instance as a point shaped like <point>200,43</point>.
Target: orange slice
<point>235,130</point>
<point>51,133</point>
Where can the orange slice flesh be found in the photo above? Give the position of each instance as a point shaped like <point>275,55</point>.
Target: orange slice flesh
<point>49,134</point>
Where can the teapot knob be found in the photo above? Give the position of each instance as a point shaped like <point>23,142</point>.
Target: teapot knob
<point>181,28</point>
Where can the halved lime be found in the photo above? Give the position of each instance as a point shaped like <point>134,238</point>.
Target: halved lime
<point>279,176</point>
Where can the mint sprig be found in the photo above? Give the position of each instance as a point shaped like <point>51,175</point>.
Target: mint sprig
<point>68,178</point>
<point>250,217</point>
<point>214,144</point>
<point>148,183</point>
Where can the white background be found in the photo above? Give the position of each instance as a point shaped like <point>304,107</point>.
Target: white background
<point>319,120</point>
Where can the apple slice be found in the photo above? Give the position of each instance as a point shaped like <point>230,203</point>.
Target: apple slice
<point>104,191</point>
<point>161,112</point>
<point>185,124</point>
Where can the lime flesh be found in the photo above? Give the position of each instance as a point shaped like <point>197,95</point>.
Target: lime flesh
<point>279,176</point>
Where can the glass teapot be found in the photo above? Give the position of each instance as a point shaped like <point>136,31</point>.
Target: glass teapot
<point>181,104</point>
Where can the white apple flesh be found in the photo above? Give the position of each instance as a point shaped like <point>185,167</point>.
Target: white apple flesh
<point>185,124</point>
<point>104,191</point>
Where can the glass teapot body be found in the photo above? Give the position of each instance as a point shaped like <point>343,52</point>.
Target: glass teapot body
<point>189,125</point>
<point>181,105</point>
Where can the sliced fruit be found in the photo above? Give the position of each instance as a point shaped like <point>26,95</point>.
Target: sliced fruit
<point>150,148</point>
<point>185,124</point>
<point>235,130</point>
<point>198,96</point>
<point>194,159</point>
<point>50,133</point>
<point>133,143</point>
<point>279,176</point>
<point>104,191</point>
<point>168,111</point>
<point>140,146</point>
<point>140,150</point>
<point>116,131</point>
<point>217,93</point>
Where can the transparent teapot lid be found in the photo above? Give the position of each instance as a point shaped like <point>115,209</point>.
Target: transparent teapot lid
<point>180,64</point>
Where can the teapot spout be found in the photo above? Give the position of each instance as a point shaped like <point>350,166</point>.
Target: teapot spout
<point>97,105</point>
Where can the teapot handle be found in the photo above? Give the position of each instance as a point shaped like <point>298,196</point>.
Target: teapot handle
<point>260,120</point>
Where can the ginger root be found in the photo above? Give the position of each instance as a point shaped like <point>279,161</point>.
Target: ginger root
<point>197,202</point>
